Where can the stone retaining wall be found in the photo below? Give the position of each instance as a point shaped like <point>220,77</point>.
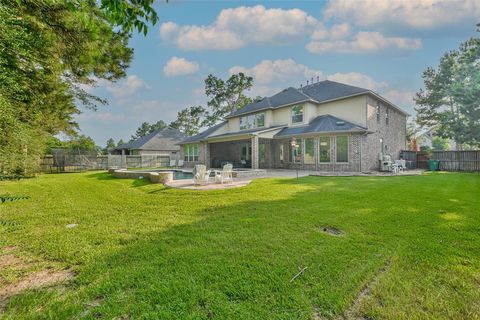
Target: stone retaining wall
<point>154,177</point>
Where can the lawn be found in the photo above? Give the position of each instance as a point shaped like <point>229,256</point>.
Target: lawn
<point>410,248</point>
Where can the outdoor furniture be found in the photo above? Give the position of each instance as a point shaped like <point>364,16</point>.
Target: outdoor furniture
<point>202,175</point>
<point>173,162</point>
<point>226,175</point>
<point>402,164</point>
<point>180,163</point>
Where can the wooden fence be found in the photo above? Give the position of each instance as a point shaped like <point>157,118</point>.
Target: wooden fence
<point>448,160</point>
<point>75,163</point>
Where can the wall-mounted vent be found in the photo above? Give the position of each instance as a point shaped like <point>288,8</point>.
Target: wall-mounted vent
<point>340,123</point>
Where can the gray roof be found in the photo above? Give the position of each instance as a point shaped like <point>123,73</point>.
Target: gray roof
<point>202,135</point>
<point>162,139</point>
<point>318,92</point>
<point>325,123</point>
<point>330,90</point>
<point>284,97</point>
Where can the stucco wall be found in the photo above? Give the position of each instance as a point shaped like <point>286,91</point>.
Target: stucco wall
<point>392,134</point>
<point>351,109</point>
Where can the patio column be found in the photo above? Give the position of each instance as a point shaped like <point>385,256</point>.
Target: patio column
<point>254,152</point>
<point>206,150</point>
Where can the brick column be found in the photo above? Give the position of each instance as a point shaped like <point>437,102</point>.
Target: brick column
<point>254,152</point>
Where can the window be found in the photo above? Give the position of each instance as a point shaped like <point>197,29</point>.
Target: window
<point>261,152</point>
<point>342,148</point>
<point>260,119</point>
<point>297,152</point>
<point>324,149</point>
<point>387,115</point>
<point>297,114</point>
<point>377,111</point>
<point>190,152</point>
<point>252,121</point>
<point>280,153</point>
<point>309,156</point>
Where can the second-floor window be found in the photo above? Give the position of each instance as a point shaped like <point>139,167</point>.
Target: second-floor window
<point>252,121</point>
<point>297,114</point>
<point>387,116</point>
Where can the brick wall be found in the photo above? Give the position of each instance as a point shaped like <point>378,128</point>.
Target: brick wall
<point>393,134</point>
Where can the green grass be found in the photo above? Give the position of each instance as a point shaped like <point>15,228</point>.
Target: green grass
<point>148,252</point>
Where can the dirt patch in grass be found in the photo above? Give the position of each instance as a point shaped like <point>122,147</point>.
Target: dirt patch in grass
<point>332,231</point>
<point>11,261</point>
<point>354,311</point>
<point>36,280</point>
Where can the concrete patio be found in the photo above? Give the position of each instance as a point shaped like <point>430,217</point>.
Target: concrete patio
<point>281,173</point>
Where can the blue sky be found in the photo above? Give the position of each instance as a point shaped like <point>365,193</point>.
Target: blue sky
<point>380,45</point>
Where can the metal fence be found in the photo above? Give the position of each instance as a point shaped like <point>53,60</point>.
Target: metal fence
<point>83,162</point>
<point>448,160</point>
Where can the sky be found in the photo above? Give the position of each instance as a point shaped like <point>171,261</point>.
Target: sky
<point>380,45</point>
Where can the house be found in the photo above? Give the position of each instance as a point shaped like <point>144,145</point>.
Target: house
<point>325,126</point>
<point>159,142</point>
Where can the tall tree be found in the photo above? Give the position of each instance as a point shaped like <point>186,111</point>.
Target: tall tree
<point>450,100</point>
<point>141,131</point>
<point>190,120</point>
<point>226,96</point>
<point>160,124</point>
<point>120,142</point>
<point>109,145</point>
<point>49,51</point>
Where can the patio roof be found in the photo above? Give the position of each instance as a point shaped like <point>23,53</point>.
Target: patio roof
<point>322,124</point>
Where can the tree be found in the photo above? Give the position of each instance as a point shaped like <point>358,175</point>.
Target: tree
<point>146,128</point>
<point>120,142</point>
<point>130,14</point>
<point>160,124</point>
<point>49,52</point>
<point>109,145</point>
<point>450,100</point>
<point>226,96</point>
<point>141,131</point>
<point>440,144</point>
<point>190,120</point>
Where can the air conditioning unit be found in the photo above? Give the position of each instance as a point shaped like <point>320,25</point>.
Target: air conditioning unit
<point>385,162</point>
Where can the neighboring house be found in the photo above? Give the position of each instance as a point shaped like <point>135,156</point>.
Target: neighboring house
<point>337,127</point>
<point>425,139</point>
<point>160,142</point>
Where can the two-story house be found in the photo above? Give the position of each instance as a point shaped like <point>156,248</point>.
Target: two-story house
<point>325,126</point>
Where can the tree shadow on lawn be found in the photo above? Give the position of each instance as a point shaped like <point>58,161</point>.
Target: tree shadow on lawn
<point>236,261</point>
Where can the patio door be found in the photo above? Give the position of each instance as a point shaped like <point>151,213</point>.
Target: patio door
<point>246,154</point>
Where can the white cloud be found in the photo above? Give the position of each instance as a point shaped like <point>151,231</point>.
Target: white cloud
<point>273,76</point>
<point>358,79</point>
<point>126,87</point>
<point>237,27</point>
<point>362,42</point>
<point>180,67</point>
<point>268,71</point>
<point>424,14</point>
<point>402,98</point>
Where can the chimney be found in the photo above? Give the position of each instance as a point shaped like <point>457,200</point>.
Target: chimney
<point>312,80</point>
<point>307,82</point>
<point>318,79</point>
<point>301,85</point>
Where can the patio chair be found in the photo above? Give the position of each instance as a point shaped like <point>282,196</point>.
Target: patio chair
<point>402,164</point>
<point>180,163</point>
<point>226,175</point>
<point>173,163</point>
<point>202,175</point>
